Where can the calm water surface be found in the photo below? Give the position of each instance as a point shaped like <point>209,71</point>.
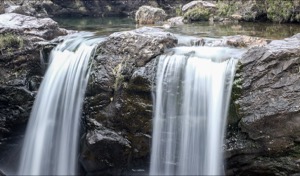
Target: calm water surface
<point>106,26</point>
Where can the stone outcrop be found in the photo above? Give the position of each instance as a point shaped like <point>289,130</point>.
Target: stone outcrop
<point>44,28</point>
<point>150,15</point>
<point>267,138</point>
<point>118,107</point>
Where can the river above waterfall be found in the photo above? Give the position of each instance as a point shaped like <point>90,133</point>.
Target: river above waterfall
<point>108,25</point>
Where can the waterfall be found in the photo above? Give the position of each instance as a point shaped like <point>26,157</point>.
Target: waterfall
<point>191,100</point>
<point>51,140</point>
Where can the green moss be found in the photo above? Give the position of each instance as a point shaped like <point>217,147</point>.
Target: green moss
<point>9,42</point>
<point>197,14</point>
<point>119,77</point>
<point>236,92</point>
<point>279,11</point>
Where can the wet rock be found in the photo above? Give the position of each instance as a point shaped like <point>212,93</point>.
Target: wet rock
<point>45,28</point>
<point>150,15</point>
<point>269,109</point>
<point>118,106</point>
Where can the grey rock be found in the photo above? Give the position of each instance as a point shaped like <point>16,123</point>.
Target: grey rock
<point>150,15</point>
<point>16,23</point>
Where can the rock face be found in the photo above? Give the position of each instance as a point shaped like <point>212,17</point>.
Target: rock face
<point>118,107</point>
<point>269,111</point>
<point>150,15</point>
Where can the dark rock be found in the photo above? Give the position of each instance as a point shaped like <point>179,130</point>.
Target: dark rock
<point>118,107</point>
<point>2,7</point>
<point>269,109</point>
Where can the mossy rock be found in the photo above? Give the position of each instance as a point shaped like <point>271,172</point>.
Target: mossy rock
<point>197,14</point>
<point>10,42</point>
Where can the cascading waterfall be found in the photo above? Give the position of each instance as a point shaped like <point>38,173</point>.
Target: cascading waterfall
<point>50,145</point>
<point>191,100</point>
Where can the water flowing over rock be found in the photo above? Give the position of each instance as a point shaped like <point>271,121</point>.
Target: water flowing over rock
<point>118,107</point>
<point>268,106</point>
<point>191,100</point>
<point>150,15</point>
<point>56,112</point>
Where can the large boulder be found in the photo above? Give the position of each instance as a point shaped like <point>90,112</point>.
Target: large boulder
<point>198,10</point>
<point>150,15</point>
<point>266,140</point>
<point>44,28</point>
<point>118,106</point>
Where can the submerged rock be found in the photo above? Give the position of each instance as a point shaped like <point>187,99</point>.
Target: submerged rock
<point>118,107</point>
<point>268,108</point>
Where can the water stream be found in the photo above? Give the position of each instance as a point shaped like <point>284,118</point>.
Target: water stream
<point>51,141</point>
<point>191,101</point>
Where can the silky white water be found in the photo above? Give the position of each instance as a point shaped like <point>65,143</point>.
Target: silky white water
<point>191,100</point>
<point>51,140</point>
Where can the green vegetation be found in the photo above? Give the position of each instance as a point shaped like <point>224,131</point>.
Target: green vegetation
<point>236,92</point>
<point>279,10</point>
<point>226,9</point>
<point>10,42</point>
<point>197,14</point>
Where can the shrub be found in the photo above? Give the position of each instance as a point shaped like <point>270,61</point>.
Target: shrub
<point>279,10</point>
<point>197,14</point>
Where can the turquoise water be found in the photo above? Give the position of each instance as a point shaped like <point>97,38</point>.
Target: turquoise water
<point>106,26</point>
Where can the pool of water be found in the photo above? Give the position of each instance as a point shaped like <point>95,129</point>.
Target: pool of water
<point>106,26</point>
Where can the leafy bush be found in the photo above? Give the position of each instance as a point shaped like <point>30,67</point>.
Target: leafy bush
<point>279,10</point>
